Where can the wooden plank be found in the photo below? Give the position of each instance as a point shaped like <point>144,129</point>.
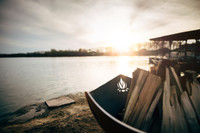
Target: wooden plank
<point>176,79</point>
<point>197,85</point>
<point>167,126</point>
<point>195,98</point>
<point>145,99</point>
<point>136,89</point>
<point>135,75</point>
<point>59,102</point>
<point>190,75</point>
<point>189,113</point>
<point>178,118</point>
<point>161,68</point>
<point>167,79</point>
<point>188,87</point>
<point>148,118</point>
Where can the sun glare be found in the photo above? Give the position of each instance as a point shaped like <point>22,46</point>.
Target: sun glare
<point>121,42</point>
<point>123,65</point>
<point>119,35</point>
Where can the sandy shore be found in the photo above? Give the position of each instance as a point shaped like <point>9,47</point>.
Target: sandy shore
<point>74,118</point>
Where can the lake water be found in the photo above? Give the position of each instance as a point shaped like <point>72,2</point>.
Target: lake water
<point>25,81</point>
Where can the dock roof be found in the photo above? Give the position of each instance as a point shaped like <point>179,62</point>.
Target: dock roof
<point>195,34</point>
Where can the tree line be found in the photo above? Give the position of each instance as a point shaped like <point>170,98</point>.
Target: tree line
<point>83,52</point>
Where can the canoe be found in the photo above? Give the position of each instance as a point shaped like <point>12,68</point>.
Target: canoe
<point>107,101</point>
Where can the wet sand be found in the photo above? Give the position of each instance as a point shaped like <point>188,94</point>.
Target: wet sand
<point>74,118</point>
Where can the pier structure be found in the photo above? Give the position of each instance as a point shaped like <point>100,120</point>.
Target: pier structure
<point>184,47</point>
<point>180,40</point>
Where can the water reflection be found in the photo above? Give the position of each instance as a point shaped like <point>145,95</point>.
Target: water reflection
<point>123,65</point>
<point>29,80</point>
<point>127,64</point>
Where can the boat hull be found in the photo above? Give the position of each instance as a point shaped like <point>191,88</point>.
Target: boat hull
<point>106,102</point>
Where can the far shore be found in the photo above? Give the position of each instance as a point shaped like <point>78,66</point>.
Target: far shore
<point>39,118</point>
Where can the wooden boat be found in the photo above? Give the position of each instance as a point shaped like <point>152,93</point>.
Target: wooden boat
<point>154,60</point>
<point>107,101</point>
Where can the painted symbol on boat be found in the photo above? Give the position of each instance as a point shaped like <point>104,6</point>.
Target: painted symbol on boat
<point>122,86</point>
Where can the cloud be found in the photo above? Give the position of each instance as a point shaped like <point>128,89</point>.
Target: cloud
<point>157,18</point>
<point>36,25</point>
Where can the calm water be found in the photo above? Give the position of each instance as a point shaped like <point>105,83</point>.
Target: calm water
<point>26,81</point>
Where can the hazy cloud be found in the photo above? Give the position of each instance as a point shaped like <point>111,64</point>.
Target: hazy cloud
<point>36,25</point>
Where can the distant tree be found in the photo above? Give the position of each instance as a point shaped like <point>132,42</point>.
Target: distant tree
<point>53,50</point>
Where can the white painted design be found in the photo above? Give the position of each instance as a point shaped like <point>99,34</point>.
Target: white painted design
<point>122,86</point>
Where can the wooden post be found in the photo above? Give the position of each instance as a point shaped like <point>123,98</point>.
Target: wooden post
<point>185,48</point>
<point>162,52</point>
<point>196,49</point>
<point>180,48</point>
<point>170,43</point>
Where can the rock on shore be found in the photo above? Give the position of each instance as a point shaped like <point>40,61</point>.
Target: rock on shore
<point>74,118</point>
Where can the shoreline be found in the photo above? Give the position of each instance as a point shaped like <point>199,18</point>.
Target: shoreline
<point>76,117</point>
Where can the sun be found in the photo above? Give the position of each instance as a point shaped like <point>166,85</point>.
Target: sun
<point>122,47</point>
<point>121,42</point>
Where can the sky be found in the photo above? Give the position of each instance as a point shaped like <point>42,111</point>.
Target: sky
<point>41,25</point>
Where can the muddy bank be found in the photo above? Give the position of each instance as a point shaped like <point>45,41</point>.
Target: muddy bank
<point>74,118</point>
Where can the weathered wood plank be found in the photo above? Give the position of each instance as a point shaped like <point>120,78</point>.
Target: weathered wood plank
<point>167,126</point>
<point>195,98</point>
<point>188,87</point>
<point>59,102</point>
<point>190,75</point>
<point>145,99</point>
<point>189,113</point>
<point>178,118</point>
<point>135,75</point>
<point>136,89</point>
<point>162,66</point>
<point>148,118</point>
<point>176,79</point>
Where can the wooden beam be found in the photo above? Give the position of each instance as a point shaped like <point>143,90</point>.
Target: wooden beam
<point>135,92</point>
<point>189,113</point>
<point>170,43</point>
<point>149,116</point>
<point>176,79</point>
<point>145,99</point>
<point>167,126</point>
<point>195,98</point>
<point>185,48</point>
<point>178,118</point>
